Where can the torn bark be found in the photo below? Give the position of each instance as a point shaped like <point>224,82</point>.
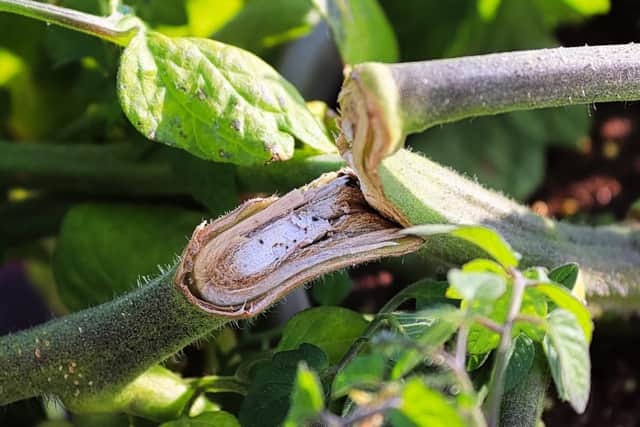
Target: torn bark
<point>242,263</point>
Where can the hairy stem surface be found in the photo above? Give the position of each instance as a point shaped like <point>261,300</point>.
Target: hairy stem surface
<point>92,354</point>
<point>382,103</point>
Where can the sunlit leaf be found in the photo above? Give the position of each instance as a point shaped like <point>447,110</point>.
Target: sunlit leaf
<point>485,238</point>
<point>207,419</point>
<point>360,29</point>
<point>423,407</point>
<point>476,286</point>
<point>216,101</point>
<point>307,398</point>
<point>564,299</point>
<point>568,356</point>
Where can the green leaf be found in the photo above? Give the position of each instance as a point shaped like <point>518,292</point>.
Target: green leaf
<point>333,329</point>
<point>211,184</point>
<point>333,288</point>
<point>590,7</point>
<point>423,407</point>
<point>360,29</point>
<point>505,152</point>
<point>170,12</point>
<point>287,20</point>
<point>103,249</point>
<point>267,401</point>
<point>482,340</point>
<point>363,371</point>
<point>476,361</point>
<point>207,419</point>
<point>568,356</point>
<point>307,398</point>
<point>431,327</point>
<point>485,238</point>
<point>521,355</point>
<point>216,101</point>
<point>472,286</point>
<point>484,265</point>
<point>565,299</point>
<point>566,275</point>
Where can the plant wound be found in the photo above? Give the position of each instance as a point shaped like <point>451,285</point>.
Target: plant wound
<point>250,258</point>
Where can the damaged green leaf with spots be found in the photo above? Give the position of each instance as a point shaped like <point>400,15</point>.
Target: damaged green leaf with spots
<point>216,101</point>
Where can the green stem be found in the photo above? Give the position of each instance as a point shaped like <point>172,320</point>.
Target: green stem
<point>87,357</point>
<point>496,385</point>
<point>105,169</point>
<point>522,406</point>
<point>123,168</point>
<point>382,103</point>
<point>428,93</point>
<point>425,192</point>
<point>115,28</point>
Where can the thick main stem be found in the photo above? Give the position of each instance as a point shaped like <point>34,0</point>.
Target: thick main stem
<point>441,91</point>
<point>382,103</point>
<point>110,29</point>
<point>425,192</point>
<point>97,351</point>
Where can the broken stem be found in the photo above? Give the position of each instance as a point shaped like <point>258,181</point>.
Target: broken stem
<point>382,103</point>
<point>234,267</point>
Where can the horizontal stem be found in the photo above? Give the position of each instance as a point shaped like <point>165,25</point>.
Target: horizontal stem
<point>382,103</point>
<point>123,168</point>
<point>441,91</point>
<point>114,29</point>
<point>105,169</point>
<point>90,355</point>
<point>425,192</point>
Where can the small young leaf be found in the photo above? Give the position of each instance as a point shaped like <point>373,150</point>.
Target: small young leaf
<point>568,356</point>
<point>430,327</point>
<point>473,286</point>
<point>333,288</point>
<point>475,361</point>
<point>360,29</point>
<point>218,419</point>
<point>307,398</point>
<point>484,265</point>
<point>485,238</point>
<point>424,407</point>
<point>267,401</point>
<point>566,275</point>
<point>216,101</point>
<point>333,329</point>
<point>565,299</point>
<point>521,357</point>
<point>362,371</point>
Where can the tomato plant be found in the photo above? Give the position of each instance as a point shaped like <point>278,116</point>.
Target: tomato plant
<point>178,127</point>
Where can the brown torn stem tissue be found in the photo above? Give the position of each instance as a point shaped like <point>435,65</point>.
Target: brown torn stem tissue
<point>242,263</point>
<point>234,267</point>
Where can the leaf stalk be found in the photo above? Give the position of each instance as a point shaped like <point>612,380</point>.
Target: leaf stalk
<point>116,28</point>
